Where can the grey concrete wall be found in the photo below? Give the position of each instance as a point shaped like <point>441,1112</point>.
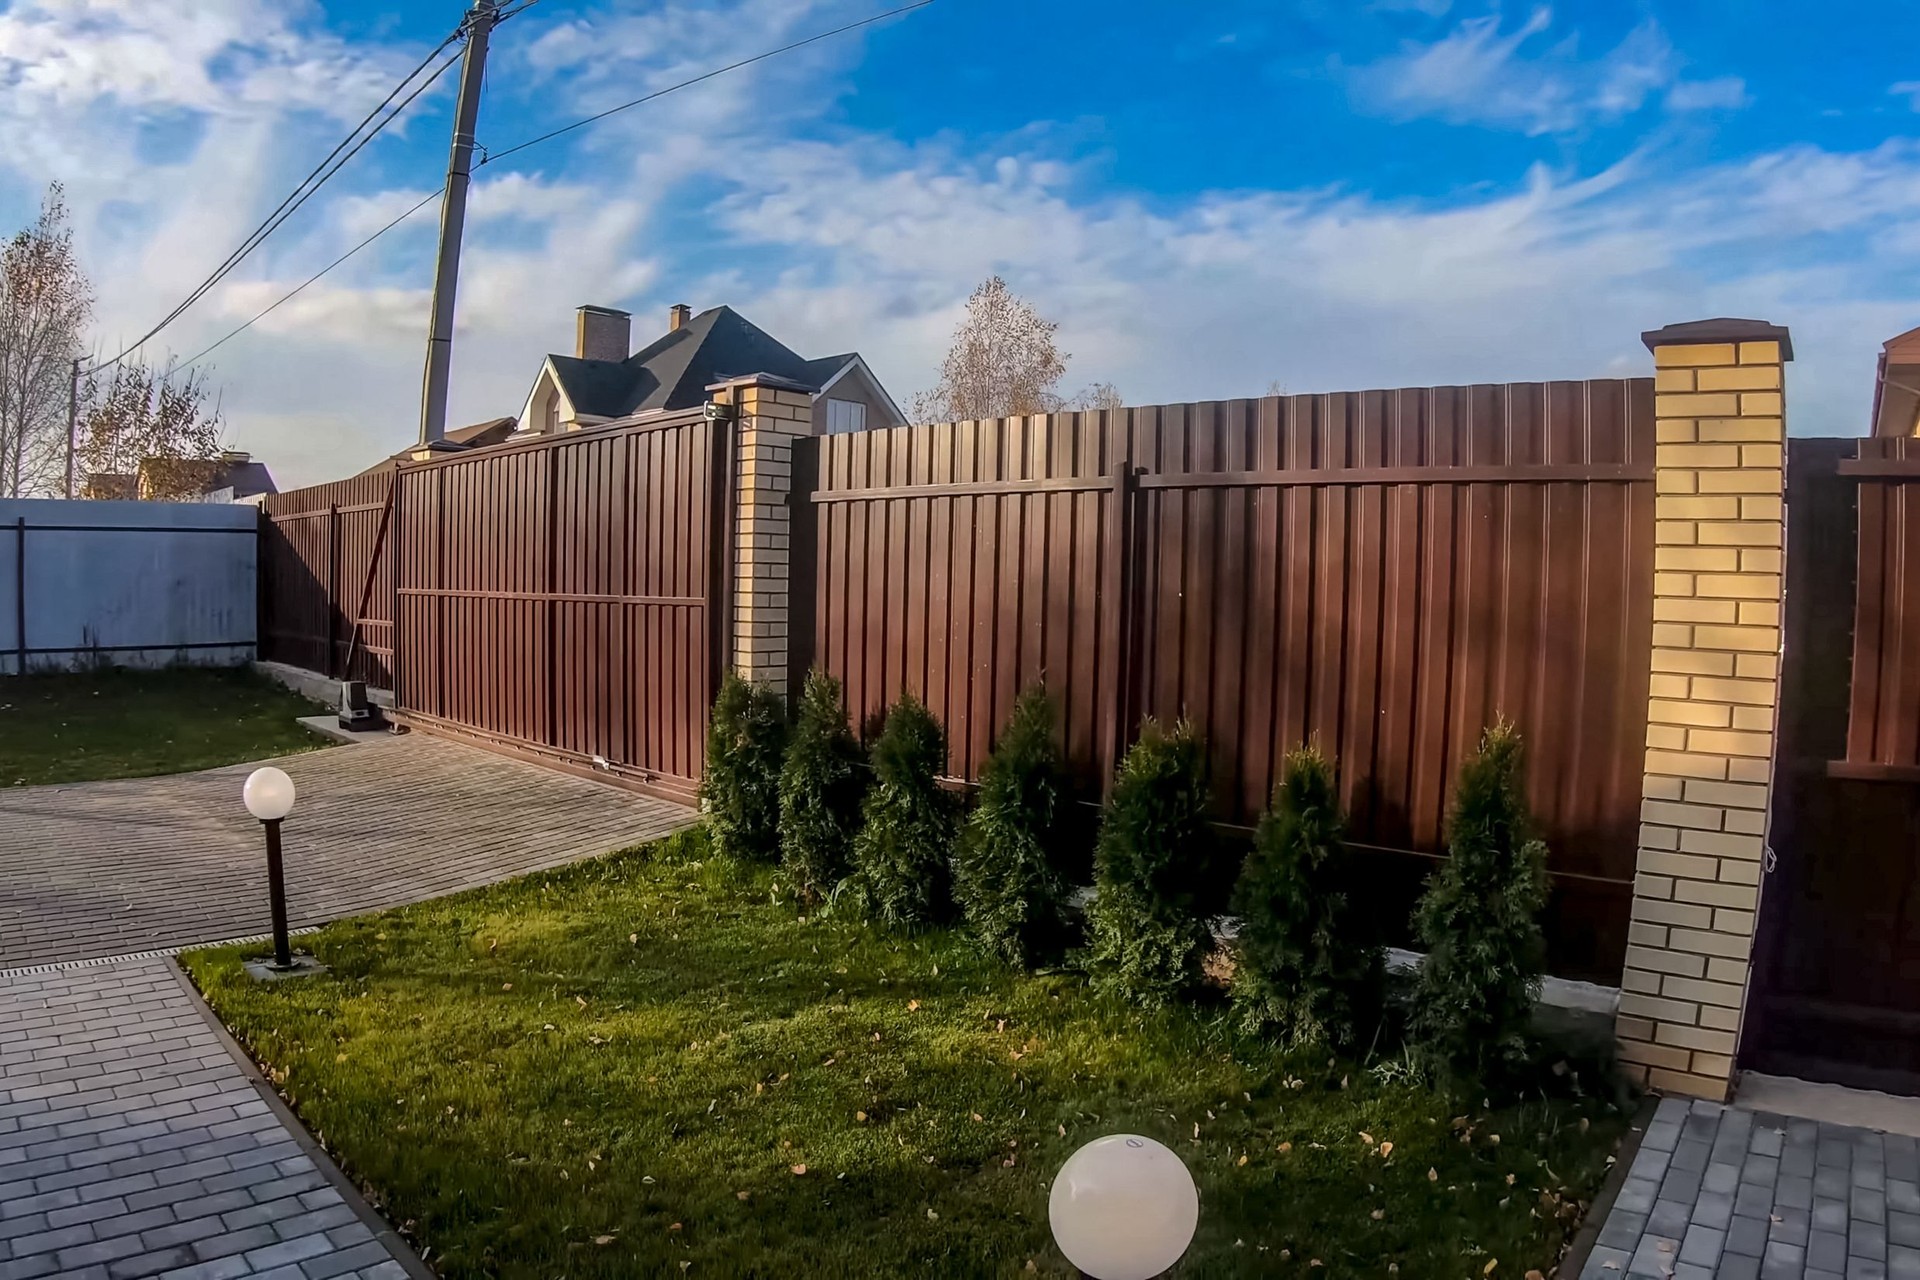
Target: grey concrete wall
<point>131,583</point>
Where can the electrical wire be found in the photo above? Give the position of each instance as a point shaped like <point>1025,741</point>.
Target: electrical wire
<point>314,279</point>
<point>308,187</point>
<point>492,156</point>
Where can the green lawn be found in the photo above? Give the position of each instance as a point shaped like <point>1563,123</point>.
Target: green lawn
<point>81,726</point>
<point>644,1066</point>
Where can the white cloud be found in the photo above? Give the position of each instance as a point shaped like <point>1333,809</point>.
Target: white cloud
<point>842,240</point>
<point>1723,93</point>
<point>1518,80</point>
<point>1908,89</point>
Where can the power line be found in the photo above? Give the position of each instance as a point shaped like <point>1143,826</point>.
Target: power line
<point>307,188</point>
<point>921,4</point>
<point>490,157</point>
<point>315,278</point>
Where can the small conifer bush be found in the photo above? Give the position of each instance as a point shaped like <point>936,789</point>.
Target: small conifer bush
<point>740,789</point>
<point>820,788</point>
<point>1480,922</point>
<point>1006,877</point>
<point>903,852</point>
<point>1148,936</point>
<point>1305,968</point>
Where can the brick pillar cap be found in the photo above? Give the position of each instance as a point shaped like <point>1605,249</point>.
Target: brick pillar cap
<point>763,380</point>
<point>1723,329</point>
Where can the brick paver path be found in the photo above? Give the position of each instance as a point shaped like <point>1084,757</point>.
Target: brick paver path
<point>110,868</point>
<point>132,1144</point>
<point>1717,1193</point>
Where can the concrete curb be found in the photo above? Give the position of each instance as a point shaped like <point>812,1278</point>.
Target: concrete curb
<point>1575,1260</point>
<point>382,1230</point>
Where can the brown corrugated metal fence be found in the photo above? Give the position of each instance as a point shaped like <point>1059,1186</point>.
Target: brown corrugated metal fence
<point>1382,572</point>
<point>1884,724</point>
<point>316,548</point>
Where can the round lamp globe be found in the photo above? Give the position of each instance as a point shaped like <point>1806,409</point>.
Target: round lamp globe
<point>1123,1208</point>
<point>269,794</point>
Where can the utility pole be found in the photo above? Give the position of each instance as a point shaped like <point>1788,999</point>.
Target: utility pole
<point>453,219</point>
<point>73,419</point>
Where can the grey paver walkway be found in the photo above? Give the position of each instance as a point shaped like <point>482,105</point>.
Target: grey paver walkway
<point>110,868</point>
<point>1717,1193</point>
<point>133,1144</point>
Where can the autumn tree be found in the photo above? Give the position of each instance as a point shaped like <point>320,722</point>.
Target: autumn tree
<point>45,300</point>
<point>1004,361</point>
<point>161,426</point>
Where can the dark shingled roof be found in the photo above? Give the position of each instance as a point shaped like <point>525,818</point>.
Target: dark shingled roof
<point>675,370</point>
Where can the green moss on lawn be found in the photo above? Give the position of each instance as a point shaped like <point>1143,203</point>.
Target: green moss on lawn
<point>617,1068</point>
<point>84,726</point>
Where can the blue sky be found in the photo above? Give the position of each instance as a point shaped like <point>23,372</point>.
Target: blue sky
<point>1208,198</point>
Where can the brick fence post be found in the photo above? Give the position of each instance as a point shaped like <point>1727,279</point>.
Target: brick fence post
<point>771,413</point>
<point>1718,578</point>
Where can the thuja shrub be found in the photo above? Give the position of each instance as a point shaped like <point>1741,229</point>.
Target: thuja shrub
<point>902,853</point>
<point>1305,968</point>
<point>1148,936</point>
<point>1480,922</point>
<point>740,789</point>
<point>1006,875</point>
<point>820,788</point>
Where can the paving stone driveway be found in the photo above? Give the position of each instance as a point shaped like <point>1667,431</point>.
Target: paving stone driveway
<point>1717,1193</point>
<point>134,1142</point>
<point>109,868</point>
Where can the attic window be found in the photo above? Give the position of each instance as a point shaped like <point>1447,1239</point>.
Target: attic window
<point>844,416</point>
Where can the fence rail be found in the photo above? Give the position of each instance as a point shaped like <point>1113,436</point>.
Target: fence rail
<point>1381,572</point>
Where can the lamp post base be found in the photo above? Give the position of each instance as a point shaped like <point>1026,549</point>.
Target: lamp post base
<point>265,970</point>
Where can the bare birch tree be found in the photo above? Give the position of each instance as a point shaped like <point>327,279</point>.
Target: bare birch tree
<point>45,300</point>
<point>1101,395</point>
<point>158,427</point>
<point>1004,361</point>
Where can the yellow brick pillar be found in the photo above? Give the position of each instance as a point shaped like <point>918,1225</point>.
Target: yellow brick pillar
<point>1718,578</point>
<point>770,413</point>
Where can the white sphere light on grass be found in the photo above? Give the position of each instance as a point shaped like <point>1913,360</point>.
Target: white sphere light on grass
<point>269,794</point>
<point>1123,1208</point>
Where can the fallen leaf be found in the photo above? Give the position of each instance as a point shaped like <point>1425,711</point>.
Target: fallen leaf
<point>1196,1128</point>
<point>1509,1179</point>
<point>633,938</point>
<point>1433,1175</point>
<point>674,1227</point>
<point>581,1001</point>
<point>1378,1214</point>
<point>647,1179</point>
<point>913,1006</point>
<point>1063,1130</point>
<point>1285,1147</point>
<point>1535,1275</point>
<point>1494,1138</point>
<point>978,1119</point>
<point>506,986</point>
<point>1243,1160</point>
<point>742,1195</point>
<point>799,1170</point>
<point>1386,1149</point>
<point>603,1240</point>
<point>1585,1124</point>
<point>932,1216</point>
<point>861,1116</point>
<point>1491,1264</point>
<point>1367,1138</point>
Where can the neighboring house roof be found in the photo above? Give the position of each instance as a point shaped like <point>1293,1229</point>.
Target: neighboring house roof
<point>249,480</point>
<point>479,434</point>
<point>675,370</point>
<point>1896,394</point>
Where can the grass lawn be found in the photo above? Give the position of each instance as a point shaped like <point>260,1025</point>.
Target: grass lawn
<point>646,1066</point>
<point>81,726</point>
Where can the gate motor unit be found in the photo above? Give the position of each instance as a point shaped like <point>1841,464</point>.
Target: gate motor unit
<point>356,712</point>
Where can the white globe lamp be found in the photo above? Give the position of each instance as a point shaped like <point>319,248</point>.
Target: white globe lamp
<point>268,794</point>
<point>269,797</point>
<point>1123,1207</point>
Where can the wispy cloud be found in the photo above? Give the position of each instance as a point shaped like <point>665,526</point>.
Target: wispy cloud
<point>1723,93</point>
<point>1908,89</point>
<point>1520,79</point>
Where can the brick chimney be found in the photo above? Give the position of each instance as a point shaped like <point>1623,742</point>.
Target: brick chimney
<point>677,316</point>
<point>603,334</point>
